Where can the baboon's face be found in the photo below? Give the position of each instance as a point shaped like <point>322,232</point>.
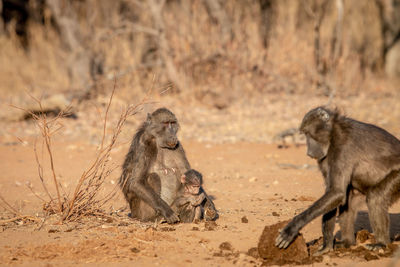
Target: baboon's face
<point>164,126</point>
<point>316,150</point>
<point>193,187</point>
<point>317,127</point>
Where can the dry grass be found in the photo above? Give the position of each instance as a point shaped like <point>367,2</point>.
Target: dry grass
<point>86,199</point>
<point>215,68</point>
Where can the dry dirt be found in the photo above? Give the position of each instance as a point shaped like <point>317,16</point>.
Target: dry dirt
<point>253,185</point>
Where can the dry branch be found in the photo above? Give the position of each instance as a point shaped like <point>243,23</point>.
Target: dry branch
<point>21,217</point>
<point>319,15</point>
<point>85,200</point>
<point>218,14</point>
<point>156,7</point>
<point>336,44</point>
<point>17,214</point>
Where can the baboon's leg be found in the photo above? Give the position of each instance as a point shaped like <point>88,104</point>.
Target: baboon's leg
<point>198,213</point>
<point>144,211</point>
<point>347,218</point>
<point>328,226</point>
<point>379,218</point>
<point>379,199</point>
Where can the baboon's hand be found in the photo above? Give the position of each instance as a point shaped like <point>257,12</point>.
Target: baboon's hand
<point>170,216</point>
<point>210,214</point>
<point>197,201</point>
<point>173,218</point>
<point>286,236</point>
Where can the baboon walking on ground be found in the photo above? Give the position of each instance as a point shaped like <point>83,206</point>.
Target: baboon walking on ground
<point>357,160</point>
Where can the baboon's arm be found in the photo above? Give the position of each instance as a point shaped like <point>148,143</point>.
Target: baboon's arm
<point>335,195</point>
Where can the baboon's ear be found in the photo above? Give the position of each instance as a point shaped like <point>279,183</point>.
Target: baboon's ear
<point>183,179</point>
<point>323,114</point>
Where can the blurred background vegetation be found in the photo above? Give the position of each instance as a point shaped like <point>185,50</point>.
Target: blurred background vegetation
<point>239,60</point>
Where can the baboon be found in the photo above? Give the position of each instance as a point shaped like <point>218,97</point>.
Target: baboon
<point>358,161</point>
<point>190,197</point>
<point>152,168</point>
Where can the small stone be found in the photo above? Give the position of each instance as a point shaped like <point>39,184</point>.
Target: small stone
<point>252,179</point>
<point>370,257</point>
<point>274,213</point>
<point>226,246</point>
<point>135,250</point>
<point>326,259</point>
<point>244,219</point>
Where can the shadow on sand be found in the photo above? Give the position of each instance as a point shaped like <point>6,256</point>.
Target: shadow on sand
<point>362,222</point>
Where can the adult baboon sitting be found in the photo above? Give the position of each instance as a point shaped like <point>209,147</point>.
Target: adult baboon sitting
<point>151,175</point>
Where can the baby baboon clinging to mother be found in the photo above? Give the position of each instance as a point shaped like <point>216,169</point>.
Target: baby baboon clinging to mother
<point>152,170</point>
<point>356,160</point>
<point>188,204</point>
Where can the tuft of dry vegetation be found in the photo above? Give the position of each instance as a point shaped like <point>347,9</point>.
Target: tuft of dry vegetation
<point>86,199</point>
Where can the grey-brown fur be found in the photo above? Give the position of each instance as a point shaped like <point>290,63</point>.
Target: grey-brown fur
<point>358,161</point>
<point>189,200</point>
<point>152,168</point>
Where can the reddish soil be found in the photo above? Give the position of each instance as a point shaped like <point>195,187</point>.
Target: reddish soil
<point>253,185</point>
<point>296,253</point>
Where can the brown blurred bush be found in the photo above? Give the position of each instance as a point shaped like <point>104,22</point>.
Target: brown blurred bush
<point>213,50</point>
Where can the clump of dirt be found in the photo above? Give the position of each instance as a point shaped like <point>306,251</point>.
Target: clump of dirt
<point>227,251</point>
<point>167,229</point>
<point>253,252</point>
<point>296,253</point>
<point>244,219</point>
<point>299,252</point>
<point>363,236</point>
<point>363,253</point>
<point>357,251</point>
<point>210,225</point>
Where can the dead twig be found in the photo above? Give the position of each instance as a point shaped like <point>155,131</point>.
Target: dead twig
<point>21,217</point>
<point>9,207</point>
<point>85,200</point>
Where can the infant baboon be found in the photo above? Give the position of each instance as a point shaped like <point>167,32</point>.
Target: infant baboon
<point>190,197</point>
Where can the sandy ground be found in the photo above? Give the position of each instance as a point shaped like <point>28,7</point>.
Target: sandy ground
<point>252,184</point>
